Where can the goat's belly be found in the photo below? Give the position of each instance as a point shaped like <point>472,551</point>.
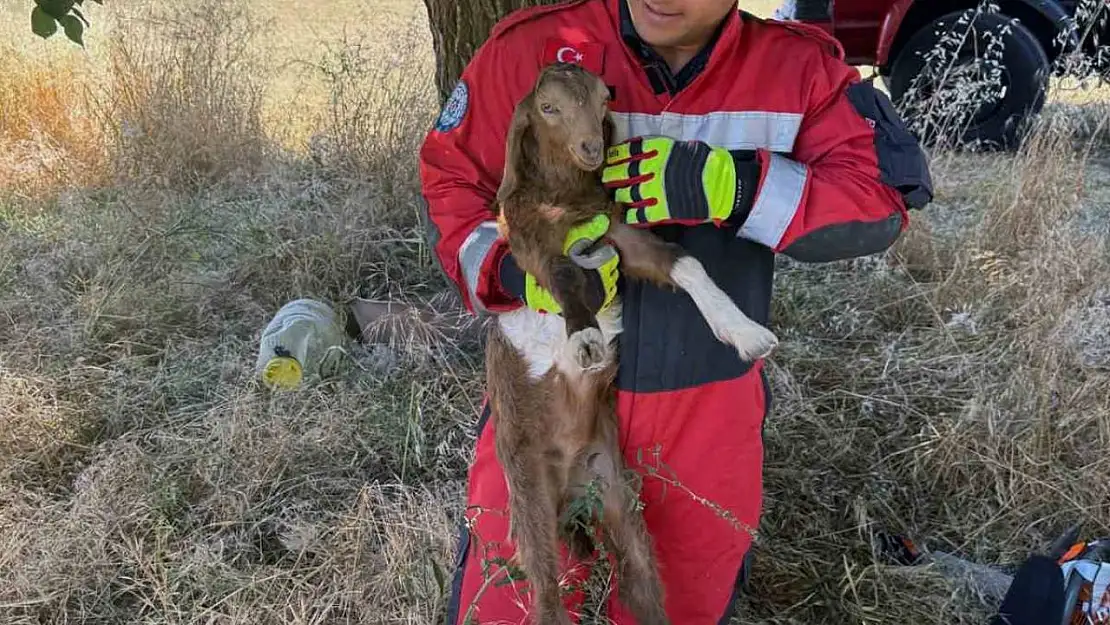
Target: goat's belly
<point>539,338</point>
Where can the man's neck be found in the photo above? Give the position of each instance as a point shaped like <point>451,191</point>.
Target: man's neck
<point>678,57</point>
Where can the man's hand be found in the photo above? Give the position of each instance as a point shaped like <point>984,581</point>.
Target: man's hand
<point>661,181</point>
<point>600,262</point>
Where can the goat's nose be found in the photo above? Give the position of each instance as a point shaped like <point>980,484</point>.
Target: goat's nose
<point>591,148</point>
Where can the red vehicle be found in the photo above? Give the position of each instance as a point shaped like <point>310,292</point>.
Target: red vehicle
<point>895,35</point>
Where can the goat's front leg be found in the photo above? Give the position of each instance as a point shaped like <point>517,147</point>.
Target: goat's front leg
<point>645,256</point>
<point>586,349</point>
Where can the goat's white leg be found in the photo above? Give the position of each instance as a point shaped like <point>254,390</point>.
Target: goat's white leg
<point>724,317</point>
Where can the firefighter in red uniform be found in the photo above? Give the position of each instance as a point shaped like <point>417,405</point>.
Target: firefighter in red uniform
<point>820,168</point>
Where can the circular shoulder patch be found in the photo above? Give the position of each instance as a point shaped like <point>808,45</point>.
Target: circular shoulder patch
<point>454,109</point>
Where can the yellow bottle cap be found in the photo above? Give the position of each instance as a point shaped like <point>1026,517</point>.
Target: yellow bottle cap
<point>283,372</point>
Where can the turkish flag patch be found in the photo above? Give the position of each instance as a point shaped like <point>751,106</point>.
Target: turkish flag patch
<point>588,54</point>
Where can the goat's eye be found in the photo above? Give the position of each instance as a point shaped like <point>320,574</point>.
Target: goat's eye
<point>547,108</point>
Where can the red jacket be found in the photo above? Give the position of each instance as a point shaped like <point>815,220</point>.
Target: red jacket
<point>809,122</point>
<point>829,182</point>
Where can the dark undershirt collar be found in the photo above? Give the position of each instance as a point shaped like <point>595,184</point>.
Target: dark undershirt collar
<point>663,80</point>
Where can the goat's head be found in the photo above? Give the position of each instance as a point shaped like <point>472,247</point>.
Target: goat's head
<point>565,117</point>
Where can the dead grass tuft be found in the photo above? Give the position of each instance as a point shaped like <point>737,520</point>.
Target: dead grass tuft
<point>184,101</point>
<point>360,133</point>
<point>47,139</point>
<point>43,433</point>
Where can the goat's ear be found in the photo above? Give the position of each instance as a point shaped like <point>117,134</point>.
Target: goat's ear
<point>514,149</point>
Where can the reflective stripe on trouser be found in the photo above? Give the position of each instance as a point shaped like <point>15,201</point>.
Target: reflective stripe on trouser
<point>472,254</point>
<point>779,197</point>
<point>710,437</point>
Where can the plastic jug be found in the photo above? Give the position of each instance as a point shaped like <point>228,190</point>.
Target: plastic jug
<point>305,338</point>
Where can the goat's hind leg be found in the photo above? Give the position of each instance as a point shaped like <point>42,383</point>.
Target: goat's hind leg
<point>639,587</point>
<point>534,529</point>
<point>519,445</point>
<point>638,584</point>
<point>645,256</point>
<point>536,534</point>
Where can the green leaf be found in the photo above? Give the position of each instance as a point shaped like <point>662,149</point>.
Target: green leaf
<point>81,15</point>
<point>57,8</point>
<point>74,29</point>
<point>42,24</point>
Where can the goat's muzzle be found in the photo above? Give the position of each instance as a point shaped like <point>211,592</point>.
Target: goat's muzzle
<point>588,153</point>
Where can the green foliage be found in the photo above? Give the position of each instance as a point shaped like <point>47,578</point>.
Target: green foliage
<point>49,14</point>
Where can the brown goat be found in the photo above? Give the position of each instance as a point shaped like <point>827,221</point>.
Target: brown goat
<point>550,378</point>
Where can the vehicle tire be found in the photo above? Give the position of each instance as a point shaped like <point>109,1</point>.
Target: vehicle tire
<point>1023,72</point>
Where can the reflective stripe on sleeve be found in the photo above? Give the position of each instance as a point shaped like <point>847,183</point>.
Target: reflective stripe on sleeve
<point>473,254</point>
<point>779,199</point>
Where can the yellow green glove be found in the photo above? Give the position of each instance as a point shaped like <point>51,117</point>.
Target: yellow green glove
<point>601,265</point>
<point>661,180</point>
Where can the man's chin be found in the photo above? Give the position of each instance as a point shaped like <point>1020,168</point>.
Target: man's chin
<point>660,38</point>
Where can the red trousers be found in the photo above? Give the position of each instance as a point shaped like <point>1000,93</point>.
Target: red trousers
<point>706,446</point>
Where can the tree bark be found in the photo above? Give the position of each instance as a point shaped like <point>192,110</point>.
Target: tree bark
<point>458,28</point>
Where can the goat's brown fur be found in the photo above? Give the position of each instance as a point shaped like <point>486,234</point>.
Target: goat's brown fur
<point>557,433</point>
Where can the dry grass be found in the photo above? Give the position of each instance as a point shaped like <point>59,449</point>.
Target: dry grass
<point>956,388</point>
<point>47,139</point>
<point>951,390</point>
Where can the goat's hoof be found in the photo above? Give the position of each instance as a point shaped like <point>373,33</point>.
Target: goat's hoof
<point>751,340</point>
<point>588,349</point>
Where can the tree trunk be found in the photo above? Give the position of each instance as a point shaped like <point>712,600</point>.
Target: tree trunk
<point>458,28</point>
